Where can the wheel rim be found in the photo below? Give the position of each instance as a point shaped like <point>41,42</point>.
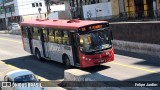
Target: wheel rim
<point>67,62</point>
<point>38,56</point>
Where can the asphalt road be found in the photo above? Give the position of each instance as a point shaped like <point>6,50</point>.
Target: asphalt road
<point>126,67</point>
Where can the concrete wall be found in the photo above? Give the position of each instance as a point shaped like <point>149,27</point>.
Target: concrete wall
<point>143,48</point>
<point>65,14</point>
<point>137,37</point>
<point>33,16</point>
<point>148,32</point>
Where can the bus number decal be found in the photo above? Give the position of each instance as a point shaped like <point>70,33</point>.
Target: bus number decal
<point>55,48</point>
<point>67,47</point>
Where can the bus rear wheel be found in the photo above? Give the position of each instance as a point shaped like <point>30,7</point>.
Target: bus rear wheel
<point>67,62</point>
<point>38,55</point>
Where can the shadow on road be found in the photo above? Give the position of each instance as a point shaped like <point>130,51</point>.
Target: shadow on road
<point>48,69</point>
<point>148,59</point>
<point>95,69</point>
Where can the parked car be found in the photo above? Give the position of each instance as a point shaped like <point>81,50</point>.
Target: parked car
<point>14,26</point>
<point>22,76</point>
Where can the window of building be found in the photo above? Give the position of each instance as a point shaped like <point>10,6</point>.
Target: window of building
<point>33,5</point>
<point>1,10</point>
<point>45,34</point>
<point>40,4</point>
<point>35,33</point>
<point>6,1</point>
<point>10,9</point>
<point>51,35</point>
<point>65,37</point>
<point>7,9</point>
<point>58,36</point>
<point>36,4</point>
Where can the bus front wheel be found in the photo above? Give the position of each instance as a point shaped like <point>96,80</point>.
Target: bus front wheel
<point>67,62</point>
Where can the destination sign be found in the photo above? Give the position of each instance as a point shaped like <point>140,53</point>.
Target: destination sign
<point>93,27</point>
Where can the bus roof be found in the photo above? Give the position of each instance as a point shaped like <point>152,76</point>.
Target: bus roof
<point>66,24</point>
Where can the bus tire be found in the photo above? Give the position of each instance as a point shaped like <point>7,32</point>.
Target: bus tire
<point>38,54</point>
<point>67,62</point>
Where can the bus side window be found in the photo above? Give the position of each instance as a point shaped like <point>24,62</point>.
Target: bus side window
<point>65,37</point>
<point>51,35</point>
<point>35,33</point>
<point>58,36</point>
<point>45,34</point>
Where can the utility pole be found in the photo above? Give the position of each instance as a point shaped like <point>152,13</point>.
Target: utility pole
<point>48,6</point>
<point>5,16</point>
<point>11,13</point>
<point>124,7</point>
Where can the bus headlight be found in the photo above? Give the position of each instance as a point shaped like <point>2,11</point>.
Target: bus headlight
<point>107,53</point>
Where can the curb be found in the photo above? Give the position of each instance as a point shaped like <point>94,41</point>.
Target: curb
<point>15,32</point>
<point>143,48</point>
<point>4,32</point>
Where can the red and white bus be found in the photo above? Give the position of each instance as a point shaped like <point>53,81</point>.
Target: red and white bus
<point>77,43</point>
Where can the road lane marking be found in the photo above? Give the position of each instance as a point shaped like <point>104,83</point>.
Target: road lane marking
<point>18,42</point>
<point>133,67</point>
<point>6,71</point>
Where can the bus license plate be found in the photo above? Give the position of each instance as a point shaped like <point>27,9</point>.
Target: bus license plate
<point>100,61</point>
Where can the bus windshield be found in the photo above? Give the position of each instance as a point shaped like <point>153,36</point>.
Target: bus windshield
<point>95,41</point>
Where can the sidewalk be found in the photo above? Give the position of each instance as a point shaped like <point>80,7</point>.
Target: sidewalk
<point>3,32</point>
<point>15,32</point>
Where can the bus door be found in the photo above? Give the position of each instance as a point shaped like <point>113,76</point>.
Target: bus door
<point>44,40</point>
<point>74,44</point>
<point>27,39</point>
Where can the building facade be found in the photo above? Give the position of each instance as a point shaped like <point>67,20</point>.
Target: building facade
<point>96,9</point>
<point>142,8</point>
<point>20,10</point>
<point>120,8</point>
